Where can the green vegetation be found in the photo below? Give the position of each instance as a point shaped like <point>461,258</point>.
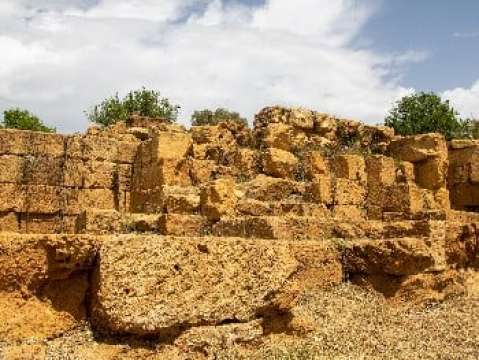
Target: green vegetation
<point>425,113</point>
<point>17,118</point>
<point>143,102</point>
<point>208,117</point>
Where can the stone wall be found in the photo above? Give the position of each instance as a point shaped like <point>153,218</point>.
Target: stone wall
<point>173,229</point>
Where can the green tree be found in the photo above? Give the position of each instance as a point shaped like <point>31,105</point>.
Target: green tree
<point>23,120</point>
<point>208,117</point>
<point>143,102</point>
<point>425,113</point>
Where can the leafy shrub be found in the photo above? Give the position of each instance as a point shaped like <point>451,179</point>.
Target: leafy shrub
<point>17,118</point>
<point>208,117</point>
<point>425,113</point>
<point>143,102</point>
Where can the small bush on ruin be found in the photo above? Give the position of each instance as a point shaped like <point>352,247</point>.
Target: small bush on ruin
<point>209,117</point>
<point>143,102</point>
<point>20,119</point>
<point>427,113</point>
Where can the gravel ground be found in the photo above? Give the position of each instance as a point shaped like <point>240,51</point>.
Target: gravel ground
<point>345,322</point>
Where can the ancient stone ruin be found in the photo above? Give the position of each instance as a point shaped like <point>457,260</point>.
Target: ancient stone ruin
<point>149,229</point>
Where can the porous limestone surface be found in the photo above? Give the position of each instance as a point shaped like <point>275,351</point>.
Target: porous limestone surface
<point>159,285</point>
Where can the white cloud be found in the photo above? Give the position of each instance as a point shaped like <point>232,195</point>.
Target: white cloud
<point>466,35</point>
<point>200,53</point>
<point>466,101</point>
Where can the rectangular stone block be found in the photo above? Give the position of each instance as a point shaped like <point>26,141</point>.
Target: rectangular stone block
<point>181,200</point>
<point>183,225</point>
<point>321,189</point>
<point>99,175</point>
<point>78,200</point>
<point>352,167</point>
<point>349,192</point>
<point>29,169</point>
<point>349,213</point>
<point>201,171</point>
<point>150,285</point>
<point>101,148</point>
<point>431,174</point>
<point>9,222</point>
<point>381,170</point>
<point>21,142</point>
<point>40,224</point>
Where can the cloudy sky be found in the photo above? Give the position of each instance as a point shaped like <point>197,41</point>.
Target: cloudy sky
<point>352,58</point>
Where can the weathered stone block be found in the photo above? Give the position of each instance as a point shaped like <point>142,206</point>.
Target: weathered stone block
<point>181,200</point>
<point>218,198</point>
<point>9,222</point>
<point>419,147</point>
<point>352,167</point>
<point>28,262</point>
<point>283,136</point>
<point>349,192</point>
<point>21,142</point>
<point>431,174</point>
<point>40,224</point>
<point>349,213</point>
<point>279,163</point>
<point>381,170</point>
<point>183,225</point>
<point>267,188</point>
<point>77,200</point>
<point>155,285</point>
<point>321,189</point>
<point>404,256</point>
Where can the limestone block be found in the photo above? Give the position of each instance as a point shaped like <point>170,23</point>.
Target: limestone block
<point>171,145</point>
<point>29,169</point>
<point>101,222</point>
<point>156,285</point>
<point>39,199</point>
<point>101,147</point>
<point>247,162</point>
<point>302,118</point>
<point>404,256</point>
<point>218,198</point>
<point>253,207</point>
<point>405,172</point>
<point>73,172</point>
<point>201,171</point>
<point>279,163</point>
<point>9,222</point>
<point>11,168</point>
<point>431,174</point>
<point>349,192</point>
<point>273,227</point>
<point>77,200</point>
<point>266,188</point>
<point>381,170</point>
<point>40,224</point>
<point>349,213</point>
<point>99,175</point>
<point>183,225</point>
<point>321,189</point>
<point>21,142</point>
<point>325,125</point>
<point>352,167</point>
<point>403,197</point>
<point>283,136</point>
<point>181,200</point>
<point>315,164</point>
<point>29,262</point>
<point>419,147</point>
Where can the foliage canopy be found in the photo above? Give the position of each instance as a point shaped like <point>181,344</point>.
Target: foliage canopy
<point>143,102</point>
<point>17,118</point>
<point>425,113</point>
<point>208,117</point>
